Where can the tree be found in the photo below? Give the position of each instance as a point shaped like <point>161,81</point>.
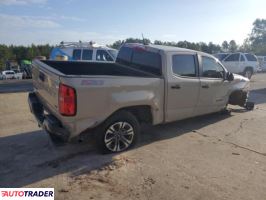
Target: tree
<point>232,46</point>
<point>258,37</point>
<point>225,46</point>
<point>246,46</point>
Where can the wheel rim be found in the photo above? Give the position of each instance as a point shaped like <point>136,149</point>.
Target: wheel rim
<point>119,136</point>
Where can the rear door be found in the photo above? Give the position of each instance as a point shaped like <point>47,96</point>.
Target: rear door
<point>213,87</point>
<point>183,85</point>
<point>231,62</point>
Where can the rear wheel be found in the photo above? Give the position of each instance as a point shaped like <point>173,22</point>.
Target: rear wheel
<point>119,133</point>
<point>248,73</point>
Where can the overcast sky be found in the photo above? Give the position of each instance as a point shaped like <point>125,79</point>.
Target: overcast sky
<point>105,21</point>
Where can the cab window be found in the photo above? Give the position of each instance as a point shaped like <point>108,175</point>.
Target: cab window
<point>184,65</point>
<point>102,55</point>
<point>211,68</point>
<point>87,54</point>
<point>77,54</point>
<point>232,58</point>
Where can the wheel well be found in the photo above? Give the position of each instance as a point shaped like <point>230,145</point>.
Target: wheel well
<point>142,113</point>
<point>251,68</point>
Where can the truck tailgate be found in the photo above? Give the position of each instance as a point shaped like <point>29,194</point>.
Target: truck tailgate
<point>46,83</point>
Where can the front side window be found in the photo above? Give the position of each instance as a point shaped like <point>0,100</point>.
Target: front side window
<point>87,54</point>
<point>211,68</point>
<point>221,56</point>
<point>77,54</point>
<point>250,57</point>
<point>184,65</point>
<point>232,58</point>
<point>102,55</point>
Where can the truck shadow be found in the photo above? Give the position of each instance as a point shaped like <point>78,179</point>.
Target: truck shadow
<point>28,158</point>
<point>258,96</point>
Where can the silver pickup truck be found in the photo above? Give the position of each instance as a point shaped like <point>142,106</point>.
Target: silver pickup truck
<point>147,84</point>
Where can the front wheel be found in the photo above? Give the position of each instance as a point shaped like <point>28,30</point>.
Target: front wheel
<point>248,73</point>
<point>118,133</point>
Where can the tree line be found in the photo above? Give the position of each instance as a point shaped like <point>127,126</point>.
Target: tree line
<point>254,43</point>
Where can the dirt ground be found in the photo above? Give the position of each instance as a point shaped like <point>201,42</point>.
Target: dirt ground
<point>210,157</point>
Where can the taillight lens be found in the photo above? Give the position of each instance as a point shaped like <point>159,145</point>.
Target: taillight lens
<point>67,100</point>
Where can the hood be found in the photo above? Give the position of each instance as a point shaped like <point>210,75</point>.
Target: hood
<point>240,82</point>
<point>240,78</point>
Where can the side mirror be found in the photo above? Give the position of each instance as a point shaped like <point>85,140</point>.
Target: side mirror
<point>230,76</point>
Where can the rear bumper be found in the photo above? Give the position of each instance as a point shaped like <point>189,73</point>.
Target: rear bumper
<point>48,122</point>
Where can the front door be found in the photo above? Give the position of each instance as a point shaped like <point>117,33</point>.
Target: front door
<point>183,86</point>
<point>213,88</point>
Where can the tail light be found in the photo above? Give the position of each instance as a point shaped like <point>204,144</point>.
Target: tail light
<point>67,100</point>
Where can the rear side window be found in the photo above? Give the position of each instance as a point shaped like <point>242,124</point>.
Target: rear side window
<point>87,54</point>
<point>141,59</point>
<point>102,55</point>
<point>250,57</point>
<point>77,54</point>
<point>124,55</point>
<point>233,57</point>
<point>184,65</point>
<point>147,61</point>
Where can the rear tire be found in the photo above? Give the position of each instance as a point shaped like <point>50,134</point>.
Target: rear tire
<point>248,73</point>
<point>118,133</point>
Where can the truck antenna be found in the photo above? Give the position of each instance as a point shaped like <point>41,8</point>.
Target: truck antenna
<point>143,39</point>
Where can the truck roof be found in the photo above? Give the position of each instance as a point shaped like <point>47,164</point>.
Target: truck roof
<point>165,48</point>
<point>168,48</point>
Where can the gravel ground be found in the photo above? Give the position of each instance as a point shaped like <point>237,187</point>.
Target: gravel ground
<point>210,157</point>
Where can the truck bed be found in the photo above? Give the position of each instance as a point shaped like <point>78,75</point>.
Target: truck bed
<point>96,68</point>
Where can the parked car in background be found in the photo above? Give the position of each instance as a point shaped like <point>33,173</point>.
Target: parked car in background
<point>18,74</point>
<point>240,63</point>
<point>83,51</point>
<point>151,84</point>
<point>262,62</point>
<point>8,74</point>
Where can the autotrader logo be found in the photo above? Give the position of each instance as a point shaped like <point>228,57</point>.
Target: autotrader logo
<point>27,193</point>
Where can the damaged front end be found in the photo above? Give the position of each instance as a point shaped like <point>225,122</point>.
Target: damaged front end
<point>239,92</point>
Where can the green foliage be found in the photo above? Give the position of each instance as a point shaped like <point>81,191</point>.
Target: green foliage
<point>19,53</point>
<point>257,37</point>
<point>232,46</point>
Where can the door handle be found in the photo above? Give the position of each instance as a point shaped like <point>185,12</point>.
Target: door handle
<point>175,87</point>
<point>205,86</point>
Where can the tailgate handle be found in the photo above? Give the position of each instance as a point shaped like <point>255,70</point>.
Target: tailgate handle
<point>205,86</point>
<point>175,87</point>
<point>41,76</point>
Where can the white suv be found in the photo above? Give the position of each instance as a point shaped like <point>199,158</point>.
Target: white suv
<point>8,74</point>
<point>240,63</point>
<point>83,51</point>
